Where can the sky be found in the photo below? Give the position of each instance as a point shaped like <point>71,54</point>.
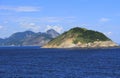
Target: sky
<point>61,15</point>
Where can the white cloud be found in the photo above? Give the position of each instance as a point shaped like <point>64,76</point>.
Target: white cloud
<point>20,8</point>
<point>104,20</point>
<point>41,20</point>
<point>58,19</point>
<point>108,33</point>
<point>51,19</point>
<point>30,26</point>
<point>1,27</point>
<point>57,28</point>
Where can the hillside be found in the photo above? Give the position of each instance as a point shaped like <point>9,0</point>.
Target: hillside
<point>29,38</point>
<point>80,37</point>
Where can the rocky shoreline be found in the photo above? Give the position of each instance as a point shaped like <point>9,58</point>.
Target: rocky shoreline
<point>96,44</point>
<point>81,38</point>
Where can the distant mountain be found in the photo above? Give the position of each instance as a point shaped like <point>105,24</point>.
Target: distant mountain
<point>80,37</point>
<point>29,38</point>
<point>1,41</point>
<point>18,38</point>
<point>52,33</point>
<point>38,40</point>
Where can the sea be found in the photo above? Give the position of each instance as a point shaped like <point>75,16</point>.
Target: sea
<point>36,62</point>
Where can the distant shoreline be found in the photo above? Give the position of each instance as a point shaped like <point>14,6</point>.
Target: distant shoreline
<point>59,48</point>
<point>87,48</point>
<point>20,46</point>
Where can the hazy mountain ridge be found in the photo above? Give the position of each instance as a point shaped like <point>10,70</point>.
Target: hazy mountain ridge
<point>80,37</point>
<point>28,38</point>
<point>52,33</point>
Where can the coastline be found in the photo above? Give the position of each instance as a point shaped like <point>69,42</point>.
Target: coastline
<point>73,48</point>
<point>115,47</point>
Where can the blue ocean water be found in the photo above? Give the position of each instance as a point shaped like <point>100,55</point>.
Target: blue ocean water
<point>34,62</point>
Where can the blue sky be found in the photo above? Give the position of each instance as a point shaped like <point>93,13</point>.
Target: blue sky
<point>61,15</point>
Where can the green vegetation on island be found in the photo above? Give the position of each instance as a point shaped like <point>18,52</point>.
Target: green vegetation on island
<point>80,37</point>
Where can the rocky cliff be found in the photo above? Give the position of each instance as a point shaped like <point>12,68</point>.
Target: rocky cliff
<point>29,38</point>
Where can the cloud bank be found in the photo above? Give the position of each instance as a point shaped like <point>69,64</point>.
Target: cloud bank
<point>20,8</point>
<point>104,19</point>
<point>1,27</point>
<point>57,28</point>
<point>30,26</point>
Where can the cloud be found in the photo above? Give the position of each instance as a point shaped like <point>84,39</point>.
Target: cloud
<point>52,19</point>
<point>42,20</point>
<point>58,19</point>
<point>57,28</point>
<point>20,8</point>
<point>104,20</point>
<point>108,33</point>
<point>30,26</point>
<point>1,27</point>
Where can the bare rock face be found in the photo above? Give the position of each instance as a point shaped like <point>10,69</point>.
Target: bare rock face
<point>41,38</point>
<point>52,33</point>
<point>29,38</point>
<point>36,41</point>
<point>80,38</point>
<point>69,44</point>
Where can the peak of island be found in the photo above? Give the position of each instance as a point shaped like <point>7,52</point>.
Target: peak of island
<point>80,38</point>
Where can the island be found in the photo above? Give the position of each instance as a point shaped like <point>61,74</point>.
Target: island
<point>81,38</point>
